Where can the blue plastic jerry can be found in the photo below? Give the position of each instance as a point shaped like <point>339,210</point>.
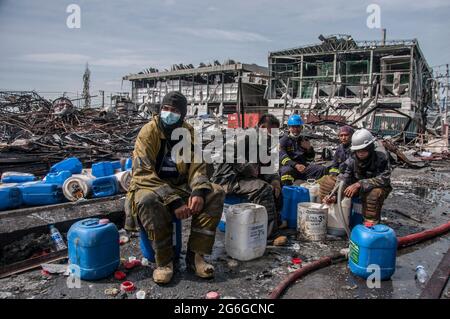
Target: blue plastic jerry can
<point>146,244</point>
<point>10,197</point>
<point>356,215</point>
<point>93,248</point>
<point>102,169</point>
<point>40,193</point>
<point>128,164</point>
<point>17,177</point>
<point>116,165</point>
<point>57,178</point>
<point>292,195</point>
<point>372,249</point>
<point>71,164</point>
<point>105,186</point>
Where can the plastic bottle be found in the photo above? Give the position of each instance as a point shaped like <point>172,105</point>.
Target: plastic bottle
<point>57,238</point>
<point>421,274</point>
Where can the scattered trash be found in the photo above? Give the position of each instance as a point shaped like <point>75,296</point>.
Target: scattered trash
<point>296,261</point>
<point>264,274</point>
<point>112,291</point>
<point>55,268</point>
<point>120,275</point>
<point>232,263</point>
<point>132,264</point>
<point>45,273</point>
<point>57,238</point>
<point>347,287</point>
<point>296,247</point>
<point>212,295</point>
<point>292,269</point>
<point>123,232</point>
<point>123,240</point>
<point>131,259</point>
<point>421,274</point>
<point>127,286</point>
<point>144,261</point>
<point>140,294</point>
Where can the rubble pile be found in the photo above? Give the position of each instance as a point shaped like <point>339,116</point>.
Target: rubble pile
<point>37,132</point>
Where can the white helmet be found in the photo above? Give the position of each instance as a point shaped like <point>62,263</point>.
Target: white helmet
<point>361,139</point>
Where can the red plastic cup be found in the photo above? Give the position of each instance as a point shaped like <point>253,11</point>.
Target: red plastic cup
<point>212,295</point>
<point>127,286</point>
<point>120,275</point>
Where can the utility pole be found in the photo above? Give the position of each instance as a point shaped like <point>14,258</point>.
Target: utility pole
<point>102,93</point>
<point>86,81</point>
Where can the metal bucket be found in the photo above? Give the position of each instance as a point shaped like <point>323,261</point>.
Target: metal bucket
<point>312,221</point>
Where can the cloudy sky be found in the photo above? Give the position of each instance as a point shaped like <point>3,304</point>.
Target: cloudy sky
<point>38,51</point>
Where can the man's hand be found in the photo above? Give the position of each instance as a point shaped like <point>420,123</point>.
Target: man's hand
<point>305,144</point>
<point>276,186</point>
<point>352,190</point>
<point>183,212</point>
<point>329,199</point>
<point>300,168</point>
<point>196,204</point>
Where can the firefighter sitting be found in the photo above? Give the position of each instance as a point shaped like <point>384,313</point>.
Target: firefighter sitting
<point>297,155</point>
<point>337,166</point>
<point>162,187</point>
<point>366,175</point>
<point>246,180</point>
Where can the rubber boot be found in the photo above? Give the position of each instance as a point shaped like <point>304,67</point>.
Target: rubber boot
<point>280,241</point>
<point>163,275</point>
<point>196,263</point>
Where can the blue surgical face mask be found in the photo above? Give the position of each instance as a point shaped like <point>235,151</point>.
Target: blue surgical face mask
<point>169,118</point>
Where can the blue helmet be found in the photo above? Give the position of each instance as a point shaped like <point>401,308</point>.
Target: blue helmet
<point>295,120</point>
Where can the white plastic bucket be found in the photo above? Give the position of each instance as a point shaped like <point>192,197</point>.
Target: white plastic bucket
<point>312,221</point>
<point>246,231</point>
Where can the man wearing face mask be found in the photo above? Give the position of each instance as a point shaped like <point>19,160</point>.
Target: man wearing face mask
<point>163,187</point>
<point>337,166</point>
<point>297,155</point>
<point>246,180</point>
<point>367,175</point>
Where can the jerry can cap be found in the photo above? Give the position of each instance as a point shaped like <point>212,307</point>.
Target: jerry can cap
<point>380,228</point>
<point>90,223</point>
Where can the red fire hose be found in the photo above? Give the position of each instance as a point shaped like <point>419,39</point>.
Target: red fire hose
<point>326,261</point>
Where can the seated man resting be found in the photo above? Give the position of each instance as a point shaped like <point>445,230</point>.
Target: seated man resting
<point>163,187</point>
<point>297,155</point>
<point>367,175</point>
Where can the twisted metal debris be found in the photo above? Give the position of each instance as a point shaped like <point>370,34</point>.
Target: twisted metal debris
<point>34,132</point>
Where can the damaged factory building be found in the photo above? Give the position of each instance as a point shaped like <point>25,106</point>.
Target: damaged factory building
<point>381,85</point>
<point>212,88</point>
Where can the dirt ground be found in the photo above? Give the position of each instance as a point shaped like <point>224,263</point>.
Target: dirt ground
<point>424,194</point>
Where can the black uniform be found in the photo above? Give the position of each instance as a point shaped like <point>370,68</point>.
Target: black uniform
<point>291,154</point>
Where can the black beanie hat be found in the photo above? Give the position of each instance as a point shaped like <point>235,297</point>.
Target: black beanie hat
<point>178,100</point>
